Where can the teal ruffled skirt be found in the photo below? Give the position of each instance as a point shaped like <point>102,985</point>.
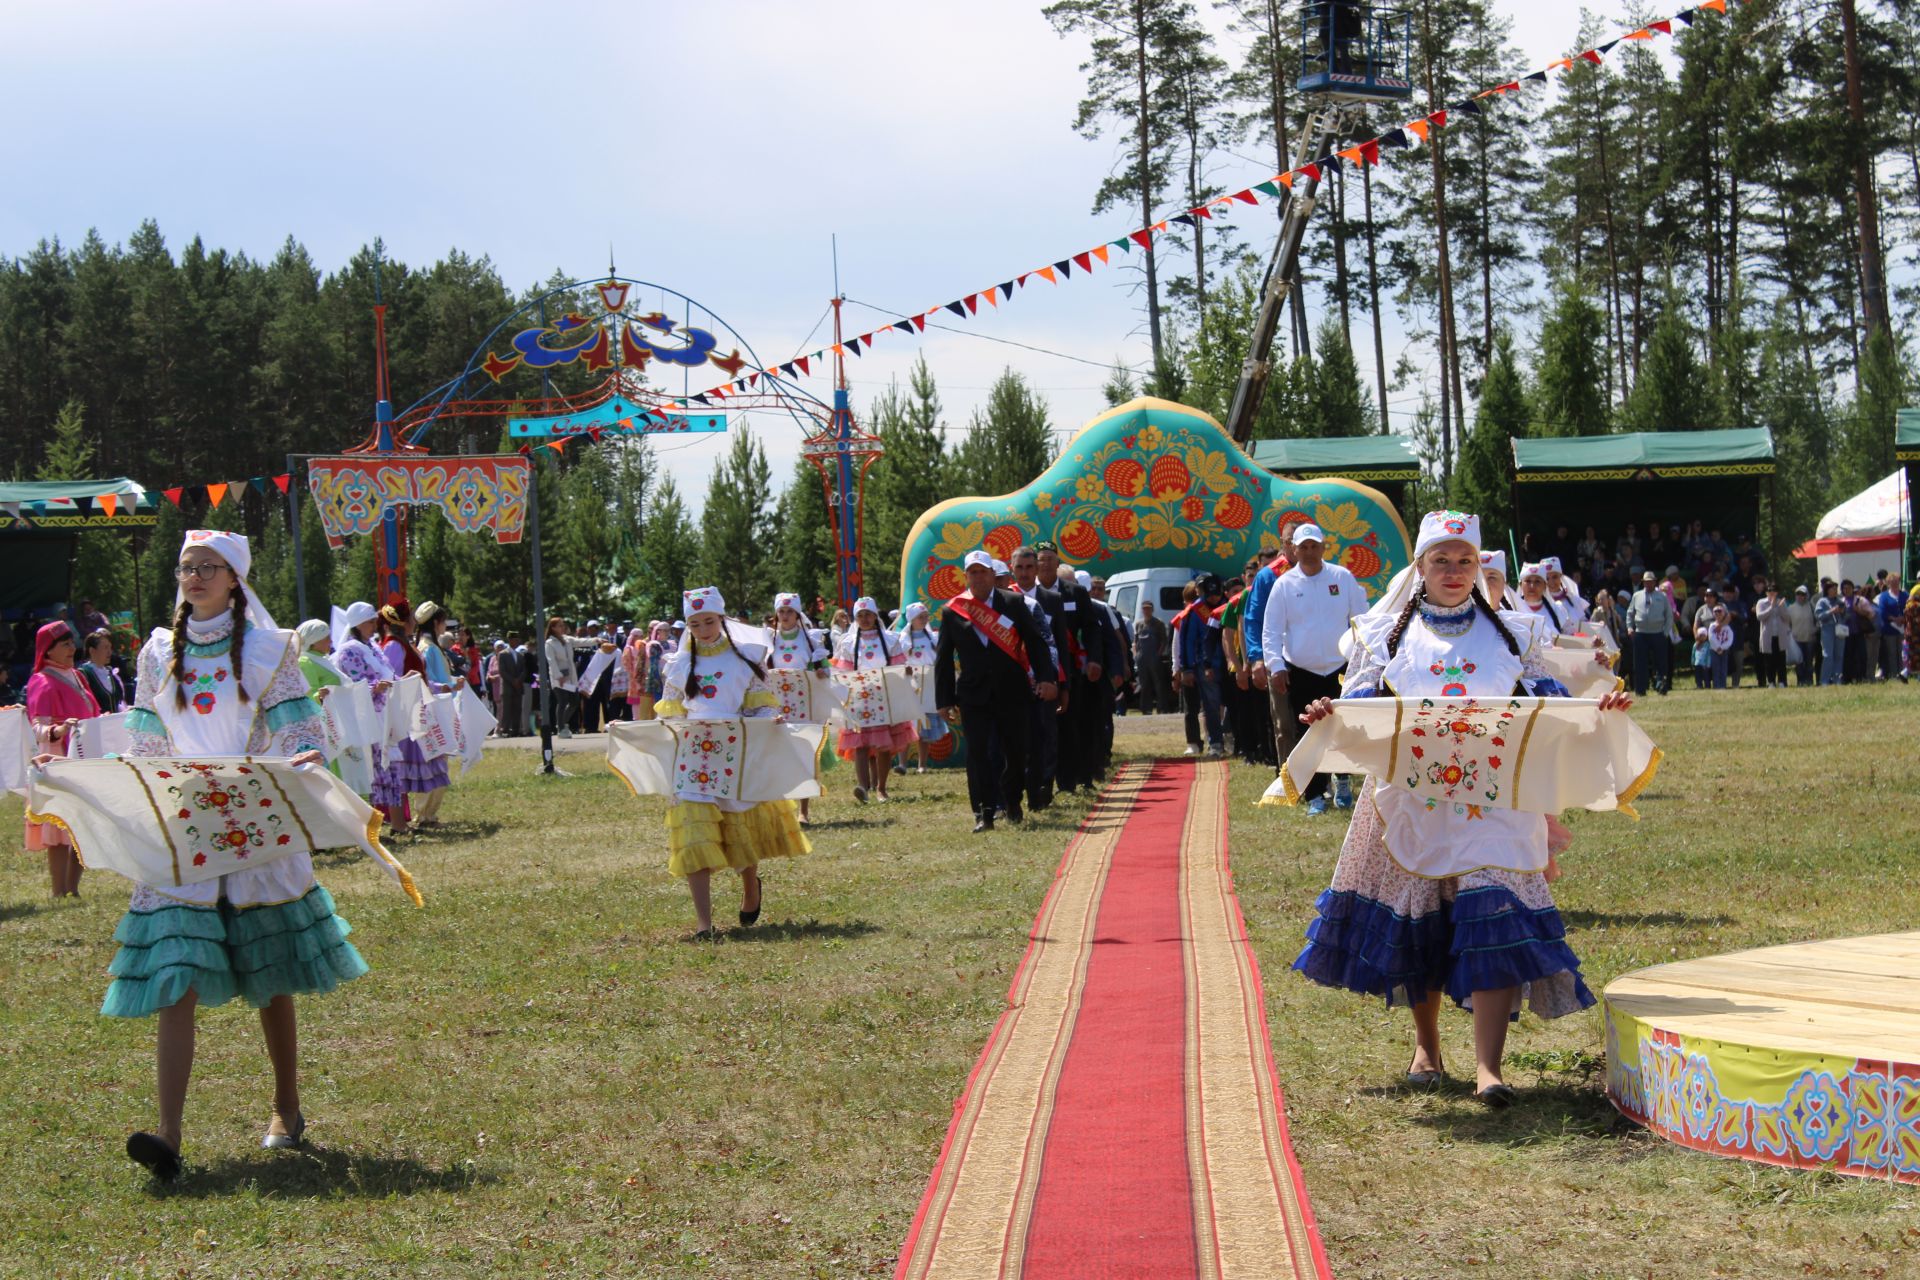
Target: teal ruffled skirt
<point>256,953</point>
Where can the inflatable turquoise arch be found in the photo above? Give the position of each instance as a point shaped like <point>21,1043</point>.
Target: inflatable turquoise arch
<point>1154,483</point>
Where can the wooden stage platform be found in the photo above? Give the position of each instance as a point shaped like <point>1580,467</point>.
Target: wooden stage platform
<point>1806,1055</point>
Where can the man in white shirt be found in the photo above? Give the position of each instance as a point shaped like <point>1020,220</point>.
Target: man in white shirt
<point>1309,609</point>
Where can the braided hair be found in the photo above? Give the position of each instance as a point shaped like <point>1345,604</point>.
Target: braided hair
<point>177,667</point>
<point>1479,598</point>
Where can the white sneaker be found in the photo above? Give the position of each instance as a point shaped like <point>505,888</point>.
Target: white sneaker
<point>1191,750</point>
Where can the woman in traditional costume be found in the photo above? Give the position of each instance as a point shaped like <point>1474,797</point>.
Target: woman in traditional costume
<point>224,681</point>
<point>1551,619</point>
<point>923,648</point>
<point>360,659</point>
<point>867,646</point>
<point>411,769</point>
<point>1493,581</point>
<point>797,646</point>
<point>315,643</point>
<point>720,673</point>
<point>57,699</point>
<point>1445,899</point>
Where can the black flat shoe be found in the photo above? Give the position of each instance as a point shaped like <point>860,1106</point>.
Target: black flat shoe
<point>750,918</point>
<point>152,1153</point>
<point>1498,1097</point>
<point>703,935</point>
<point>1426,1080</point>
<point>1014,814</point>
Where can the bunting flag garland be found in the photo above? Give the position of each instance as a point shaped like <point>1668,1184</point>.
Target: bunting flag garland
<point>1361,155</point>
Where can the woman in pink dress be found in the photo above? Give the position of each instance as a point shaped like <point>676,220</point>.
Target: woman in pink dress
<point>57,699</point>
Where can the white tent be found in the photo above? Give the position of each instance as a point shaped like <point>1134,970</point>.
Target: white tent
<point>1864,534</point>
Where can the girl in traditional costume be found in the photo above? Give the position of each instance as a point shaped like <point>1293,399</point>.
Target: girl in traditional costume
<point>411,769</point>
<point>57,699</point>
<point>224,681</point>
<point>315,643</point>
<point>923,648</point>
<point>867,646</point>
<point>720,673</point>
<point>797,646</point>
<point>1445,899</point>
<point>1493,581</point>
<point>360,659</point>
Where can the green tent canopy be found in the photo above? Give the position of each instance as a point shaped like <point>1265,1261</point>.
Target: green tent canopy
<point>1645,455</point>
<point>1906,435</point>
<point>1349,457</point>
<point>73,504</point>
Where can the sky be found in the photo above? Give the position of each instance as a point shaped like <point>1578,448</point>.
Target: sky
<point>719,149</point>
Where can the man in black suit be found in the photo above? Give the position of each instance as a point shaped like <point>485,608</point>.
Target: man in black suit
<point>1043,737</point>
<point>1082,652</point>
<point>990,635</point>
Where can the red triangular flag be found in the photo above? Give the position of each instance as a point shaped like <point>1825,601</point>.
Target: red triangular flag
<point>215,492</point>
<point>1664,26</point>
<point>802,362</point>
<point>972,302</point>
<point>174,495</point>
<point>1311,170</point>
<point>920,323</point>
<point>1084,261</point>
<point>1438,119</point>
<point>281,482</point>
<point>1593,55</point>
<point>1142,238</point>
<point>1202,211</point>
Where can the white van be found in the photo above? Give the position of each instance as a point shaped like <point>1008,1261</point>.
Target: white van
<point>1161,587</point>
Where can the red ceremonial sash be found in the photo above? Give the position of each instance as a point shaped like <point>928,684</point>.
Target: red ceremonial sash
<point>1002,632</point>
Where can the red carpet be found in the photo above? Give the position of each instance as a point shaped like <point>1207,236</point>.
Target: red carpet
<point>1124,1119</point>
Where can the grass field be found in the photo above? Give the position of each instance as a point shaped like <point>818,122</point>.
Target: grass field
<point>542,1078</point>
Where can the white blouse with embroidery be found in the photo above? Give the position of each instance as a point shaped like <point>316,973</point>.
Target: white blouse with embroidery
<point>277,719</point>
<point>715,682</point>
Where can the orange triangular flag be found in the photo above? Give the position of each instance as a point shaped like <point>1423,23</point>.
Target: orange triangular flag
<point>1284,179</point>
<point>1641,34</point>
<point>1351,154</point>
<point>1419,129</point>
<point>1159,226</point>
<point>558,446</point>
<point>1046,273</point>
<point>1721,5</point>
<point>1558,63</point>
<point>107,503</point>
<point>837,349</point>
<point>989,295</point>
<point>1101,253</point>
<point>215,492</point>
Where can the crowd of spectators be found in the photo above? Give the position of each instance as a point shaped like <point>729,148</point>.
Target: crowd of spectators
<point>1726,615</point>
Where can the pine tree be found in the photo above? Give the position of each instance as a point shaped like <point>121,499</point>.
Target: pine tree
<point>736,528</point>
<point>1342,404</point>
<point>1125,93</point>
<point>1480,482</point>
<point>670,549</point>
<point>905,481</point>
<point>807,556</point>
<point>102,567</point>
<point>1009,442</point>
<point>1568,399</point>
<point>1671,394</point>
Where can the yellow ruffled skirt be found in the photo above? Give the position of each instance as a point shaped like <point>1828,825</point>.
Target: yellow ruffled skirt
<point>701,838</point>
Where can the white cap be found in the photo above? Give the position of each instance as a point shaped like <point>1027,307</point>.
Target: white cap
<point>1550,563</point>
<point>1494,560</point>
<point>1000,569</point>
<point>1308,532</point>
<point>980,558</point>
<point>1446,526</point>
<point>912,611</point>
<point>1533,571</point>
<point>1084,578</point>
<point>866,604</point>
<point>702,600</point>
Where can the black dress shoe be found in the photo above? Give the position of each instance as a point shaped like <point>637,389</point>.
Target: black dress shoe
<point>1014,814</point>
<point>153,1154</point>
<point>983,823</point>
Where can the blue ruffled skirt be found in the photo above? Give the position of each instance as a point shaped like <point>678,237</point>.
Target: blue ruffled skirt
<point>256,953</point>
<point>1382,931</point>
